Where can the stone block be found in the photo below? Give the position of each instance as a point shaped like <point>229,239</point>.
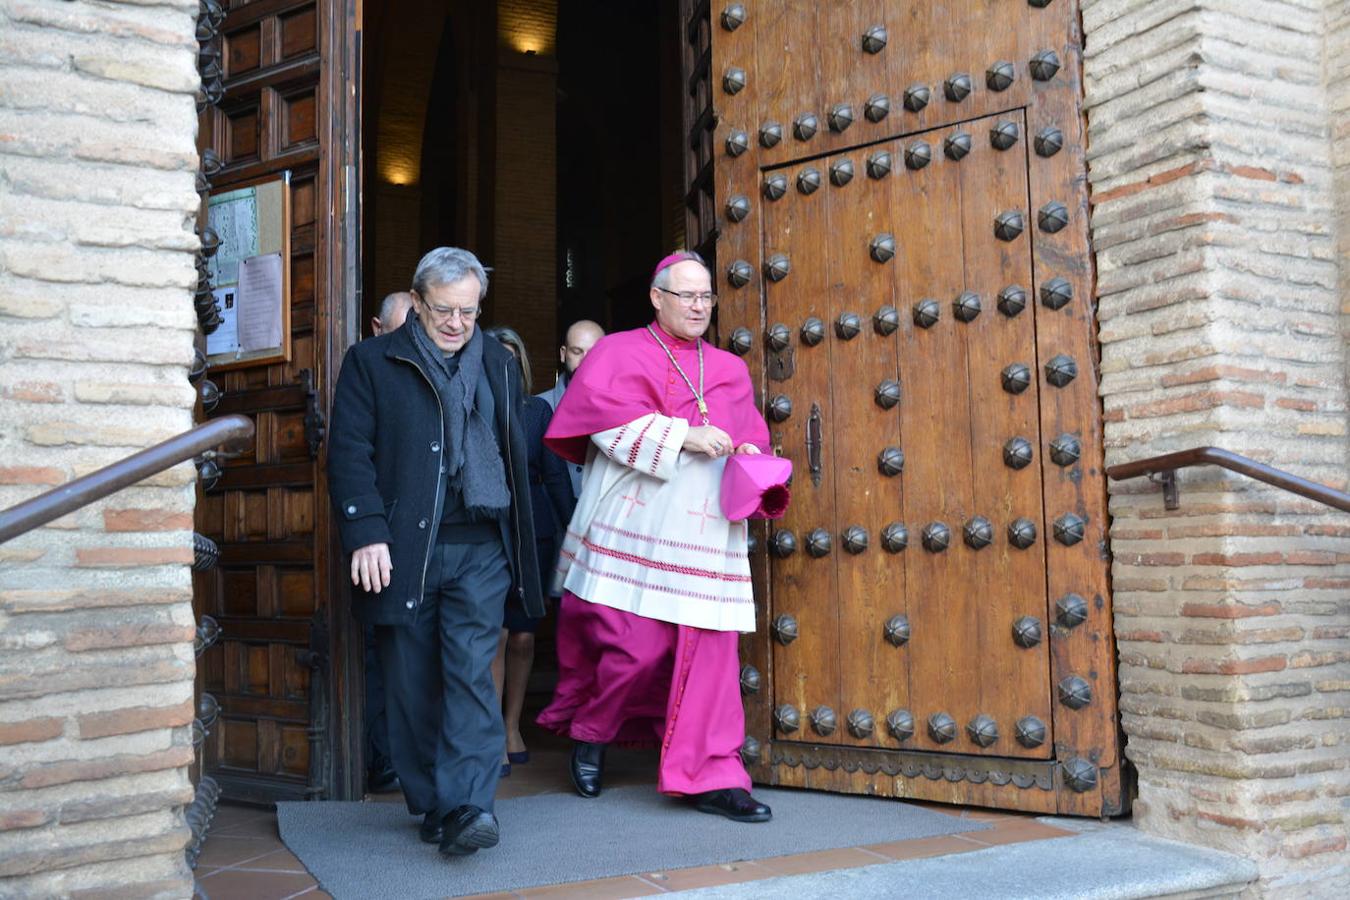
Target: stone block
<point>31,730</point>
<point>94,770</point>
<point>134,719</point>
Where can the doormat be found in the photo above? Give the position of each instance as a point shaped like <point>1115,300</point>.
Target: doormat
<point>371,850</point>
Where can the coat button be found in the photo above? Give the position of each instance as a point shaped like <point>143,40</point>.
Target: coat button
<point>351,509</point>
<point>422,524</point>
<point>435,446</point>
<point>409,604</point>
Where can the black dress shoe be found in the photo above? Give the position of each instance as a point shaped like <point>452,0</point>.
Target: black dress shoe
<point>588,765</point>
<point>734,803</point>
<point>469,829</point>
<point>431,830</point>
<point>381,778</point>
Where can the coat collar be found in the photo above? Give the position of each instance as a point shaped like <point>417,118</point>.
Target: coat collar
<point>401,345</point>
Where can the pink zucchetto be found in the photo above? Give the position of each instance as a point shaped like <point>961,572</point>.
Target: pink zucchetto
<point>672,259</point>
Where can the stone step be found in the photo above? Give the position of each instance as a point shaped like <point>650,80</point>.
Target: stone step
<point>1104,861</point>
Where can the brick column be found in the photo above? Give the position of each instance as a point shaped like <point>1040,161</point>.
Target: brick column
<point>1213,128</point>
<point>525,283</point>
<point>97,206</point>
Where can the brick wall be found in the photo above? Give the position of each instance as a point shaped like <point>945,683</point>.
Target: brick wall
<point>398,239</point>
<point>528,25</point>
<point>1336,65</point>
<point>1214,138</point>
<point>97,201</point>
<point>525,283</point>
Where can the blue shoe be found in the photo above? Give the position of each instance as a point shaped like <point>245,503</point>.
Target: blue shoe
<point>520,758</point>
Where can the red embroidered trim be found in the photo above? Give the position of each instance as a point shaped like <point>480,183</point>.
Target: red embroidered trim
<point>677,545</point>
<point>656,459</point>
<point>637,445</point>
<point>665,566</point>
<point>613,445</point>
<point>660,588</point>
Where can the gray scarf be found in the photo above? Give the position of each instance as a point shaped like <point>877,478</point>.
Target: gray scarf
<point>472,458</point>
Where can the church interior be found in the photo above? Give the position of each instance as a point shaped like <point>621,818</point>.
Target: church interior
<point>544,135</point>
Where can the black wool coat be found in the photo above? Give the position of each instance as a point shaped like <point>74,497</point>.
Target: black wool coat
<point>384,469</point>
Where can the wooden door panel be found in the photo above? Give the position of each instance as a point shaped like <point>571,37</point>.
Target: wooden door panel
<point>935,420</point>
<point>986,645</point>
<point>1007,581</point>
<point>970,678</point>
<point>806,668</point>
<point>874,676</point>
<point>809,57</point>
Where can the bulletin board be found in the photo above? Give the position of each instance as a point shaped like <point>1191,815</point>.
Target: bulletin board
<point>251,275</point>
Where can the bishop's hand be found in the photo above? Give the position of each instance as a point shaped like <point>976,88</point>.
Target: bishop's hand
<point>708,439</point>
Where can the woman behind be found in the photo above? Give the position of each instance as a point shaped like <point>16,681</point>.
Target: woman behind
<point>551,499</point>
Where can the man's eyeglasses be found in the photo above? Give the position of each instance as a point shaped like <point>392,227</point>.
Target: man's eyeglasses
<point>446,313</point>
<point>689,298</point>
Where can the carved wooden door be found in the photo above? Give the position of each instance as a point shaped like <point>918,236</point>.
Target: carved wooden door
<point>278,667</point>
<point>896,197</point>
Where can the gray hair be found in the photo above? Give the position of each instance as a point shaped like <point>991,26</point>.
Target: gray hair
<point>391,302</point>
<point>446,265</point>
<point>661,279</point>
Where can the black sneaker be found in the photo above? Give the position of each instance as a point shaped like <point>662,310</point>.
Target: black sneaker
<point>431,830</point>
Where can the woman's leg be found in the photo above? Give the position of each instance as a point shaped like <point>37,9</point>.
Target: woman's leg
<point>519,662</point>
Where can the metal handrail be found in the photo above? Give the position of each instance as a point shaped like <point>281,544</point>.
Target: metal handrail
<point>1164,468</point>
<point>234,432</point>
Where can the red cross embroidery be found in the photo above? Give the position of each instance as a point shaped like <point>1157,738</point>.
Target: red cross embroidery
<point>634,500</point>
<point>703,515</point>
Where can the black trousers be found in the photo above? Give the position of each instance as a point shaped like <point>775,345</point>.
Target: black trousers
<point>445,725</point>
<point>377,722</point>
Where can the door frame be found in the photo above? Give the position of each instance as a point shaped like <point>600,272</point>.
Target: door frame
<point>338,325</point>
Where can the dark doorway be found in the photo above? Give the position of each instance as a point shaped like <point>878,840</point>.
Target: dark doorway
<point>542,135</point>
<point>619,166</point>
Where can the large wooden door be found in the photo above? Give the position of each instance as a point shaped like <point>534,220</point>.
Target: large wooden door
<point>896,197</point>
<point>280,665</point>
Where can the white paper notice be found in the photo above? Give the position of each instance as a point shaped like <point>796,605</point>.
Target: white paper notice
<point>259,300</point>
<point>234,216</point>
<point>225,339</point>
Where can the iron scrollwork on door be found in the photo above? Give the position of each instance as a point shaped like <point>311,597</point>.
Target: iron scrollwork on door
<point>315,658</point>
<point>316,426</point>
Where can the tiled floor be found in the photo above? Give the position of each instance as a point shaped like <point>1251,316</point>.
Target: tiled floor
<point>243,859</point>
<point>243,856</point>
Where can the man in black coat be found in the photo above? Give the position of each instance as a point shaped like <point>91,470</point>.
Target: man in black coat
<point>427,470</point>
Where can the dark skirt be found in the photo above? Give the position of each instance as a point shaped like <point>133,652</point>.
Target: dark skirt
<point>514,619</point>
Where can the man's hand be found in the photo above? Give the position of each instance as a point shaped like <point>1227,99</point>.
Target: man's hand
<point>748,449</point>
<point>708,439</point>
<point>371,567</point>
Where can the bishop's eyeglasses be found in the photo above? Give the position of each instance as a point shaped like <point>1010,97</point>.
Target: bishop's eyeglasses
<point>689,298</point>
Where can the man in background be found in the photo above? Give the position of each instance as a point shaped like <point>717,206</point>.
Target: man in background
<point>393,311</point>
<point>580,338</point>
